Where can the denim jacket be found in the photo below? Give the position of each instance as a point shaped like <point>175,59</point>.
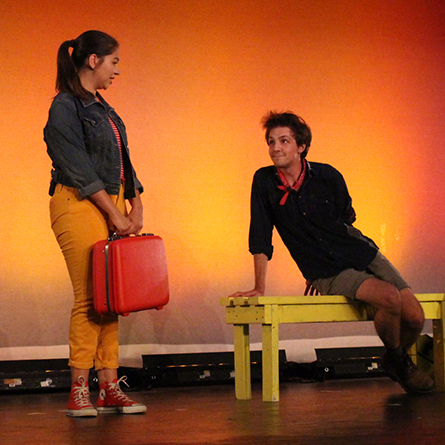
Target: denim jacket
<point>83,147</point>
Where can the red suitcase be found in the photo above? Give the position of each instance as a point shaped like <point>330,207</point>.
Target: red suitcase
<point>130,274</point>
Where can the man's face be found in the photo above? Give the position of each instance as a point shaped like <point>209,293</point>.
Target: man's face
<point>283,148</point>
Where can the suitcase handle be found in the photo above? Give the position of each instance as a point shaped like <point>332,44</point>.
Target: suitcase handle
<point>115,236</point>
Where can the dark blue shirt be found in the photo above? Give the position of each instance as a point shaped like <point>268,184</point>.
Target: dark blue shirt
<point>83,147</point>
<point>315,223</point>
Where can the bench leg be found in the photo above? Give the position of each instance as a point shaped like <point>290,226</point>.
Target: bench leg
<point>271,378</point>
<point>243,386</point>
<point>439,354</point>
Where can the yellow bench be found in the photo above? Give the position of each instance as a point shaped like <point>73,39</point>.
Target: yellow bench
<point>271,311</point>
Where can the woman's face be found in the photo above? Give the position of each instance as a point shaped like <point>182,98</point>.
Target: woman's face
<point>106,70</point>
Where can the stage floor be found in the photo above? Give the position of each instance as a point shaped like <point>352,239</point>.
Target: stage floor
<point>353,411</point>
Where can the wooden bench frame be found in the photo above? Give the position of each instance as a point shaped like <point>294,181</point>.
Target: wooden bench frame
<point>271,311</point>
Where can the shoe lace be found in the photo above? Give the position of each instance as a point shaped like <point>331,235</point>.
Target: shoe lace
<point>118,391</point>
<point>82,394</point>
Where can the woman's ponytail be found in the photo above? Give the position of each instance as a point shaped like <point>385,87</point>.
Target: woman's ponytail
<point>67,78</point>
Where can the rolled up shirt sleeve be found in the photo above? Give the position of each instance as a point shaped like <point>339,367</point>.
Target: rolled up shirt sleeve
<point>261,226</point>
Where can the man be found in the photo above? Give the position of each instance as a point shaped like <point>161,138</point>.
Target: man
<point>309,205</point>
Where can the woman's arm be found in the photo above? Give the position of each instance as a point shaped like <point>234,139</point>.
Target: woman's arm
<point>64,137</point>
<point>119,222</point>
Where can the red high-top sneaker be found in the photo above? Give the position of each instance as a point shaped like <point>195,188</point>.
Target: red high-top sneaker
<point>79,404</point>
<point>113,400</point>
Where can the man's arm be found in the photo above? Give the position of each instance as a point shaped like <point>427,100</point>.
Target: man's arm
<point>260,266</point>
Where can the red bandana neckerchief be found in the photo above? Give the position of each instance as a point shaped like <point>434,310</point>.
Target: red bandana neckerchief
<point>286,187</point>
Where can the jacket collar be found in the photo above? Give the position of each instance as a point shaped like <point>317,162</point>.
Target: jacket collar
<point>92,100</point>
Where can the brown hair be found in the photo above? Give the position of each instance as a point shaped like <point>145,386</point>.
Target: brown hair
<point>300,130</point>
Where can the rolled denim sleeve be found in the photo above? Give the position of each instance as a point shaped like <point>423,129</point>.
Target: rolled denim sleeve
<point>63,135</point>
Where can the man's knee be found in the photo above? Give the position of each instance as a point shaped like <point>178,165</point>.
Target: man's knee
<point>390,300</point>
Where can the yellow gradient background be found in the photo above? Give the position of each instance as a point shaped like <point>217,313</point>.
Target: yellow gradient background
<point>196,78</point>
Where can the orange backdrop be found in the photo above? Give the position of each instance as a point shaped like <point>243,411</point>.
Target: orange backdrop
<point>196,77</point>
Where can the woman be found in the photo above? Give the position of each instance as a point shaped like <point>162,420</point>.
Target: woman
<point>92,177</point>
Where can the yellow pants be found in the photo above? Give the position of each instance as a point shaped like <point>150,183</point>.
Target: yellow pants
<point>78,224</point>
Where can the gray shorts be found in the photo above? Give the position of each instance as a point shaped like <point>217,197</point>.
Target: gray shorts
<point>347,282</point>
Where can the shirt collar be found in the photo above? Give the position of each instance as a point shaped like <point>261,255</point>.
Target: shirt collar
<point>309,170</point>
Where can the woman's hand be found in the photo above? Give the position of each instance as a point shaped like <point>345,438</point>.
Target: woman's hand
<point>120,224</point>
<point>117,222</point>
